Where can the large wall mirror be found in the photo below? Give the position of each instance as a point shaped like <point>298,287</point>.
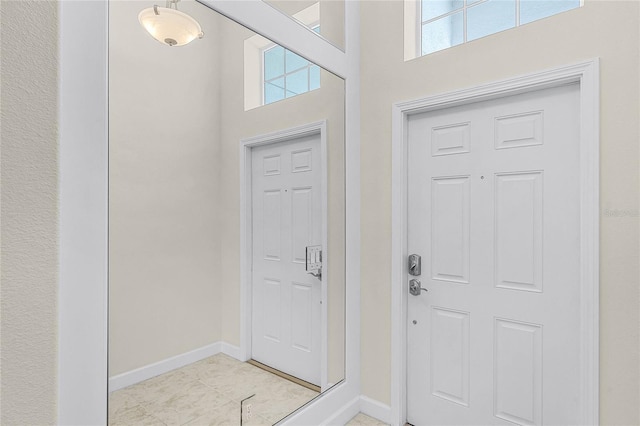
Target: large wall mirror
<point>226,224</point>
<point>325,17</point>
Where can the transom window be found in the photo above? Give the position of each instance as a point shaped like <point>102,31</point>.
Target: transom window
<point>447,23</point>
<point>286,74</point>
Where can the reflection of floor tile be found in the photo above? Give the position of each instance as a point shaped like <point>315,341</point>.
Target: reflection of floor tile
<point>228,415</point>
<point>207,392</point>
<point>364,420</point>
<point>278,398</point>
<point>134,416</point>
<point>120,402</point>
<point>187,404</point>
<point>159,388</point>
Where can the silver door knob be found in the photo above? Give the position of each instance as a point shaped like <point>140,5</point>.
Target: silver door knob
<point>415,287</point>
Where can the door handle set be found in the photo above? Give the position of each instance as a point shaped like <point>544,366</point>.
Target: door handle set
<point>415,269</point>
<point>313,261</point>
<point>415,287</point>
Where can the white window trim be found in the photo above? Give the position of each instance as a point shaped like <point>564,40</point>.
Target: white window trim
<point>413,25</point>
<point>254,48</point>
<point>412,30</point>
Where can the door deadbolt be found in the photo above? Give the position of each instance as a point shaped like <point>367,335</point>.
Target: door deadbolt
<point>415,287</point>
<point>415,265</point>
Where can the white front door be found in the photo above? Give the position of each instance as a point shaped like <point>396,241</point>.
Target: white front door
<point>286,218</point>
<point>494,211</point>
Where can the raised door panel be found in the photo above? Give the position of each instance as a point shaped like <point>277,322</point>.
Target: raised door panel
<point>301,317</point>
<point>271,309</point>
<point>519,130</point>
<point>271,224</point>
<point>302,160</point>
<point>450,139</point>
<point>450,229</point>
<point>302,222</point>
<point>519,231</point>
<point>518,372</point>
<point>449,346</point>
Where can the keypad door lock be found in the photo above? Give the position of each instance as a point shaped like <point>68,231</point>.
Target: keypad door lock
<point>313,264</point>
<point>415,265</point>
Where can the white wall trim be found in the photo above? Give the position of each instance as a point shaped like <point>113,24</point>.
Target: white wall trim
<point>157,368</point>
<point>246,236</point>
<point>346,412</point>
<point>375,409</point>
<point>83,204</point>
<point>585,73</point>
<point>278,27</point>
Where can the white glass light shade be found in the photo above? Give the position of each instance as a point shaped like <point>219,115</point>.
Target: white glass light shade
<point>170,26</point>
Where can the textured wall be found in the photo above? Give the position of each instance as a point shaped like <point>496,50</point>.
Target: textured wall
<point>163,190</point>
<point>29,34</point>
<point>605,29</point>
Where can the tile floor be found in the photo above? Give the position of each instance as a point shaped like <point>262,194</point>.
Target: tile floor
<point>208,392</point>
<point>363,420</point>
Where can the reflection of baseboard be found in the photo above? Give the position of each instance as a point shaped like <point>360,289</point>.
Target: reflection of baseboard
<point>375,409</point>
<point>157,368</point>
<point>229,349</point>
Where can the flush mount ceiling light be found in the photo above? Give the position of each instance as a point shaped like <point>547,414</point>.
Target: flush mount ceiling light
<point>170,26</point>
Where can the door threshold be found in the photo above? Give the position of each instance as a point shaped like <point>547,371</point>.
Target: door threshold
<point>289,377</point>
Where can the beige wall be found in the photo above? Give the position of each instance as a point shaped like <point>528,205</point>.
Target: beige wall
<point>605,29</point>
<point>29,164</point>
<point>164,165</point>
<point>326,103</point>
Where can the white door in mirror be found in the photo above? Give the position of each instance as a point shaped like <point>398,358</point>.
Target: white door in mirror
<point>286,218</point>
<point>494,210</point>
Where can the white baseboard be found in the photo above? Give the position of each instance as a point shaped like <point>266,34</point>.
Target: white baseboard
<point>231,350</point>
<point>152,370</point>
<point>375,409</point>
<point>364,405</point>
<point>344,414</point>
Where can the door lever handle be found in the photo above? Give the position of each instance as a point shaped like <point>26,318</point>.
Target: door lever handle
<point>415,287</point>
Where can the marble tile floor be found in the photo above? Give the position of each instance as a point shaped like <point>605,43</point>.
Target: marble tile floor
<point>208,392</point>
<point>364,420</point>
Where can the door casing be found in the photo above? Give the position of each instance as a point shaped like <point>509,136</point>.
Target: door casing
<point>587,75</point>
<point>246,236</point>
